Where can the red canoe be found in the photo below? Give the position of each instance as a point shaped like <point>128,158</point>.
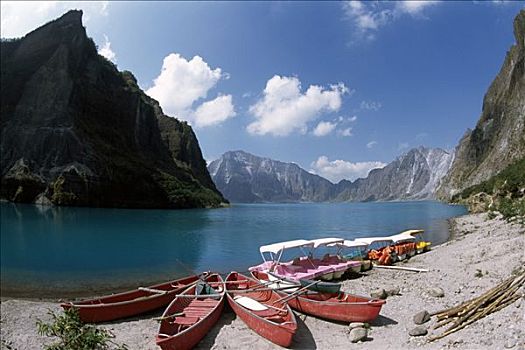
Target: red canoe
<point>339,306</point>
<point>131,303</point>
<point>261,309</point>
<point>192,314</point>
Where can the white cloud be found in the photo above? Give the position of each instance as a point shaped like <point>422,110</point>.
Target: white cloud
<point>20,17</point>
<point>215,111</point>
<point>284,109</point>
<point>324,128</point>
<point>352,119</point>
<point>369,16</point>
<point>371,144</point>
<point>402,145</point>
<point>106,50</point>
<point>371,105</point>
<point>182,82</point>
<point>338,170</point>
<point>345,132</point>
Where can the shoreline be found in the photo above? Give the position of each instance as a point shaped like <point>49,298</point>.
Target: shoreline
<point>476,243</point>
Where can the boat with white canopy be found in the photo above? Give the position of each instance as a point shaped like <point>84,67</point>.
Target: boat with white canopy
<point>339,265</point>
<point>380,249</point>
<point>355,251</point>
<point>404,245</point>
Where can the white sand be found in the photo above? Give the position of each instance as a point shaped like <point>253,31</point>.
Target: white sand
<point>493,246</point>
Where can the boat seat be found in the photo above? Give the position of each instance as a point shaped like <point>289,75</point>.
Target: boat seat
<point>249,303</point>
<point>208,302</point>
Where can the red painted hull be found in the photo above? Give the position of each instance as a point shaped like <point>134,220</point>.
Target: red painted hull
<point>131,303</point>
<point>279,328</point>
<point>333,306</point>
<point>174,334</point>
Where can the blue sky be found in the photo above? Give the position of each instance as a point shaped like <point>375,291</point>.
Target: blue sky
<point>336,87</point>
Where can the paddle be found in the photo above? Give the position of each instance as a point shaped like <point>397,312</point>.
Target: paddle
<point>296,293</point>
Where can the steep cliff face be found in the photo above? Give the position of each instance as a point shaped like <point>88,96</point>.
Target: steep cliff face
<point>76,131</point>
<point>499,136</point>
<point>243,177</point>
<point>413,175</point>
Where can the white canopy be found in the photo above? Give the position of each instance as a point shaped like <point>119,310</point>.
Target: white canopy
<point>370,240</point>
<point>411,232</point>
<point>402,237</point>
<point>277,247</point>
<point>326,241</point>
<point>352,244</point>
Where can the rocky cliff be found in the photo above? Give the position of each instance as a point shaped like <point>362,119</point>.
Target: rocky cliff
<point>243,177</point>
<point>76,131</point>
<point>413,175</point>
<point>498,139</point>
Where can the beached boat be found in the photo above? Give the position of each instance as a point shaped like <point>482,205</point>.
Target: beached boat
<point>262,309</point>
<point>295,269</point>
<point>313,285</point>
<point>130,303</point>
<point>191,315</point>
<point>404,245</point>
<point>355,251</point>
<point>339,265</point>
<point>339,306</point>
<point>421,245</point>
<point>380,249</point>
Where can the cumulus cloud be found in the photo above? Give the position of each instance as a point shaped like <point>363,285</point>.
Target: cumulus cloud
<point>20,17</point>
<point>370,105</point>
<point>106,50</point>
<point>371,144</point>
<point>368,17</point>
<point>181,83</point>
<point>215,111</point>
<point>338,170</point>
<point>284,109</point>
<point>346,132</point>
<point>324,128</point>
<point>352,119</point>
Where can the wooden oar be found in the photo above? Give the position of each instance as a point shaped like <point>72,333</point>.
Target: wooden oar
<point>296,293</point>
<point>151,290</point>
<point>412,269</point>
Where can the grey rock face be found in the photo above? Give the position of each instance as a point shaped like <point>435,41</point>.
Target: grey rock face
<point>499,136</point>
<point>243,177</point>
<point>76,131</point>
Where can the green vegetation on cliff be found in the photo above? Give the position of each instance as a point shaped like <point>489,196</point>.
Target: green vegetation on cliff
<point>504,192</point>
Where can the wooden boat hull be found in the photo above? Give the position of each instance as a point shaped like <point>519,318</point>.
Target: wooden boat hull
<point>130,303</point>
<point>280,333</point>
<point>173,335</point>
<point>339,306</point>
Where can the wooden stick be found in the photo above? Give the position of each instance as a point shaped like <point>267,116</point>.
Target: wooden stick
<point>200,296</point>
<point>157,291</point>
<point>169,316</point>
<point>296,293</point>
<point>411,269</point>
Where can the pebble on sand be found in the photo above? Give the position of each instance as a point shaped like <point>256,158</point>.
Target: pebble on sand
<point>418,331</point>
<point>393,291</point>
<point>358,334</point>
<point>378,293</point>
<point>358,325</point>
<point>436,292</point>
<point>421,317</point>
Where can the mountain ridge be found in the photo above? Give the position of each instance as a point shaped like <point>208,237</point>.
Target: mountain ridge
<point>243,177</point>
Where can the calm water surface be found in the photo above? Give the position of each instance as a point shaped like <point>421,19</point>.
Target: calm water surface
<point>47,250</point>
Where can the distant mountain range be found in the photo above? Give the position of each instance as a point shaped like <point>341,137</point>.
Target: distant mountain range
<point>243,177</point>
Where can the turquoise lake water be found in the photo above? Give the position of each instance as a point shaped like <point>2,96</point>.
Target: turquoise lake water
<point>54,251</point>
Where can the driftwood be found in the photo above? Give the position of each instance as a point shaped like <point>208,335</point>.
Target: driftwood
<point>411,269</point>
<point>472,310</point>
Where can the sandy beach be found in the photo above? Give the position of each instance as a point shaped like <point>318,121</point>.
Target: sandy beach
<point>481,253</point>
